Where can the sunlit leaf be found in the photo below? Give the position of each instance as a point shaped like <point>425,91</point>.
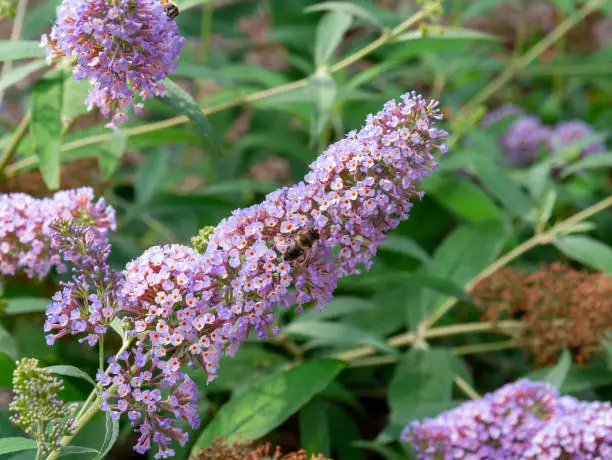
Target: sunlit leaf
<point>586,250</point>
<point>330,31</point>
<point>269,402</point>
<point>13,50</point>
<point>345,7</point>
<point>22,305</point>
<point>16,444</point>
<point>47,126</point>
<point>181,101</point>
<point>71,371</point>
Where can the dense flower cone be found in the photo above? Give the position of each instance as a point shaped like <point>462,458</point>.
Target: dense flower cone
<point>522,420</point>
<point>124,48</point>
<point>192,308</point>
<point>500,425</point>
<point>575,132</point>
<point>26,228</point>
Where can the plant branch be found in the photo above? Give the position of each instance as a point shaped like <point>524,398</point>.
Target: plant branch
<point>18,136</point>
<point>536,240</point>
<point>409,338</point>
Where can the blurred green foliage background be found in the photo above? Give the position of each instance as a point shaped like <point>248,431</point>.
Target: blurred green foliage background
<point>241,63</point>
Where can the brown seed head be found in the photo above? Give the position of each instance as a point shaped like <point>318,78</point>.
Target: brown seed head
<point>563,308</point>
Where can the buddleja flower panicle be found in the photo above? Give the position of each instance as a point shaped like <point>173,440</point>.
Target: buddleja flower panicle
<point>26,228</point>
<point>125,48</point>
<point>153,401</point>
<point>522,420</point>
<point>37,409</point>
<point>191,308</point>
<point>90,300</point>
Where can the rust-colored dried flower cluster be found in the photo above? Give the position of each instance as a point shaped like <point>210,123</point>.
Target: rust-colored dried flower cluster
<point>562,308</point>
<point>220,450</point>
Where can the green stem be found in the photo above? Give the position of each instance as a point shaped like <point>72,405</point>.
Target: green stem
<point>88,411</point>
<point>466,387</point>
<point>18,136</point>
<point>409,338</point>
<point>39,433</point>
<point>386,38</point>
<point>459,351</point>
<point>101,351</point>
<point>81,422</point>
<point>536,240</point>
<point>426,326</point>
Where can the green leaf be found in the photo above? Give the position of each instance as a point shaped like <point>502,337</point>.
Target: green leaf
<point>47,126</point>
<point>468,250</point>
<point>16,444</point>
<point>587,251</point>
<point>330,31</point>
<point>22,305</point>
<point>21,72</point>
<point>347,8</point>
<point>117,326</point>
<point>599,161</point>
<point>323,91</point>
<point>110,152</point>
<point>460,257</point>
<point>110,438</point>
<point>464,199</point>
<point>183,103</point>
<point>557,375</point>
<point>314,427</point>
<point>75,93</point>
<point>7,366</point>
<point>480,7</point>
<point>448,33</point>
<point>71,371</point>
<point>269,402</point>
<point>495,179</point>
<point>338,334</point>
<point>405,246</point>
<point>77,450</point>
<point>150,174</point>
<point>8,346</point>
<point>13,50</point>
<point>567,6</point>
<point>421,377</point>
<point>339,306</point>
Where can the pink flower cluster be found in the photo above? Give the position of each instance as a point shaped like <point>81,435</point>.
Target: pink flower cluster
<point>26,228</point>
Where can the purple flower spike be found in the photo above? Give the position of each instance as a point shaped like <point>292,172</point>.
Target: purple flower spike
<point>501,113</point>
<point>26,228</point>
<point>124,48</point>
<point>501,425</point>
<point>583,432</point>
<point>522,140</point>
<point>568,132</point>
<point>154,402</point>
<point>89,302</point>
<point>359,189</point>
